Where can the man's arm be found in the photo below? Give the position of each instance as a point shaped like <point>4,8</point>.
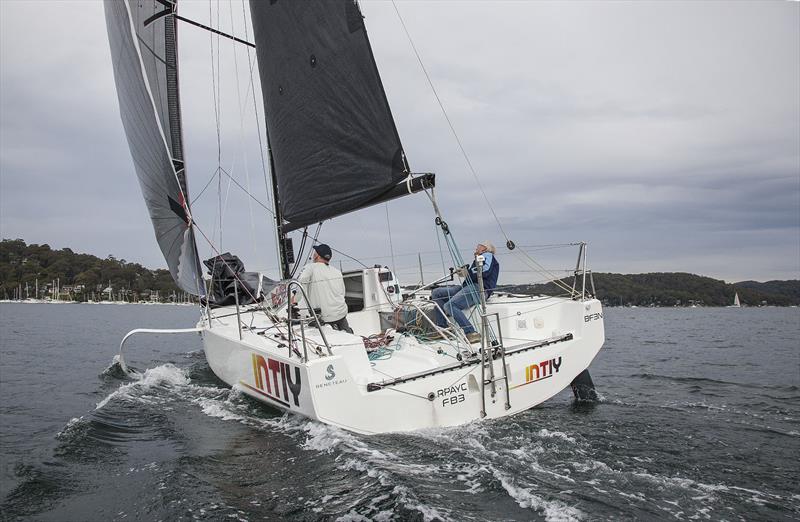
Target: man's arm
<point>487,261</point>
<point>305,277</point>
<point>473,269</point>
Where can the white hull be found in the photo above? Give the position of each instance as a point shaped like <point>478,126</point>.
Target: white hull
<point>548,342</point>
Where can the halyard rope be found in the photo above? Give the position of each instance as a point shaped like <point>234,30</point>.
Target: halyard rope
<point>509,243</point>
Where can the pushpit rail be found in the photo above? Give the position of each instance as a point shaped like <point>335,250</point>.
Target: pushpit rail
<point>290,330</point>
<point>297,284</point>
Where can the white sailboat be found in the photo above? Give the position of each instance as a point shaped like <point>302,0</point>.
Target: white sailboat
<point>333,149</point>
<point>736,302</point>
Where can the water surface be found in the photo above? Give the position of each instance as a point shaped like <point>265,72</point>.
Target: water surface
<point>700,419</point>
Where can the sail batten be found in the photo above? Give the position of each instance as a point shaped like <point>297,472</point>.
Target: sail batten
<point>147,89</point>
<point>333,139</point>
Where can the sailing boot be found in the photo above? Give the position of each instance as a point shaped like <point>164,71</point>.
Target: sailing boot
<point>473,337</point>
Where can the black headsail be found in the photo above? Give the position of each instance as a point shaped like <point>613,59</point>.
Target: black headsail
<point>143,40</point>
<point>333,141</point>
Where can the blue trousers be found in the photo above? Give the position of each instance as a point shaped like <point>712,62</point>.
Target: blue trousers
<point>454,300</point>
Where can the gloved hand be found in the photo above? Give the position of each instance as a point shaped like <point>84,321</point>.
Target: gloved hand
<point>462,271</point>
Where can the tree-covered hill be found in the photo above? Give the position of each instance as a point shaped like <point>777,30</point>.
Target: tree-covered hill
<point>790,289</point>
<point>679,289</point>
<point>80,275</point>
<point>83,276</point>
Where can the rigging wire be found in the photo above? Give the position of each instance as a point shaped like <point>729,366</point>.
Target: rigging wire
<point>509,242</point>
<point>299,261</point>
<point>251,196</point>
<point>300,253</point>
<point>219,98</point>
<point>441,252</point>
<point>216,101</point>
<point>455,254</point>
<point>316,235</point>
<point>396,268</point>
<point>268,209</point>
<point>533,265</point>
<point>261,306</point>
<point>241,131</point>
<point>349,257</point>
<point>267,187</point>
<point>233,179</point>
<point>389,229</point>
<point>224,194</point>
<point>208,183</point>
<point>449,240</point>
<point>450,123</point>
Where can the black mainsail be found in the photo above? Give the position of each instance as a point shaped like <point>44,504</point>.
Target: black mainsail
<point>143,40</point>
<point>332,137</point>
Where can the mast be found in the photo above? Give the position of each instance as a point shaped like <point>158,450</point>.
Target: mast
<point>283,258</point>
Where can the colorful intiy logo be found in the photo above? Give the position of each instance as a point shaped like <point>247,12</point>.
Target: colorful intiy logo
<point>278,295</point>
<point>274,380</point>
<point>540,371</point>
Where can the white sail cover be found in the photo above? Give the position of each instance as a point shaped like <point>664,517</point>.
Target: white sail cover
<point>142,36</point>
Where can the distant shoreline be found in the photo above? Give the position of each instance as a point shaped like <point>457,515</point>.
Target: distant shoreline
<point>108,303</point>
<point>40,273</point>
<point>31,301</point>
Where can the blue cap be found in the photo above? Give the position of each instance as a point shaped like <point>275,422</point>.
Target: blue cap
<point>324,251</point>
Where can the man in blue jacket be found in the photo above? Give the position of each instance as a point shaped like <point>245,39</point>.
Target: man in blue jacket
<point>455,299</point>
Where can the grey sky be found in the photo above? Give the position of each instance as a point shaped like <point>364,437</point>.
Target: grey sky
<point>665,134</point>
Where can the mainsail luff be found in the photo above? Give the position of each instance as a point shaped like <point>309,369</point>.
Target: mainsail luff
<point>332,136</point>
<point>174,101</point>
<point>144,56</point>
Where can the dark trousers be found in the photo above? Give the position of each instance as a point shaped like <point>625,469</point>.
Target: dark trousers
<point>341,324</point>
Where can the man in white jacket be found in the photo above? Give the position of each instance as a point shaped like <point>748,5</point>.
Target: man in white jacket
<point>324,287</point>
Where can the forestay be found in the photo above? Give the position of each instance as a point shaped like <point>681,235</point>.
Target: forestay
<point>334,143</point>
<point>142,36</point>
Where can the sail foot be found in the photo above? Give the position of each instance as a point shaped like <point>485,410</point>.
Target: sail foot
<point>411,186</point>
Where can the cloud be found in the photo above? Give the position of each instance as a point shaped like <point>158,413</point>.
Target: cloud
<point>666,134</point>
